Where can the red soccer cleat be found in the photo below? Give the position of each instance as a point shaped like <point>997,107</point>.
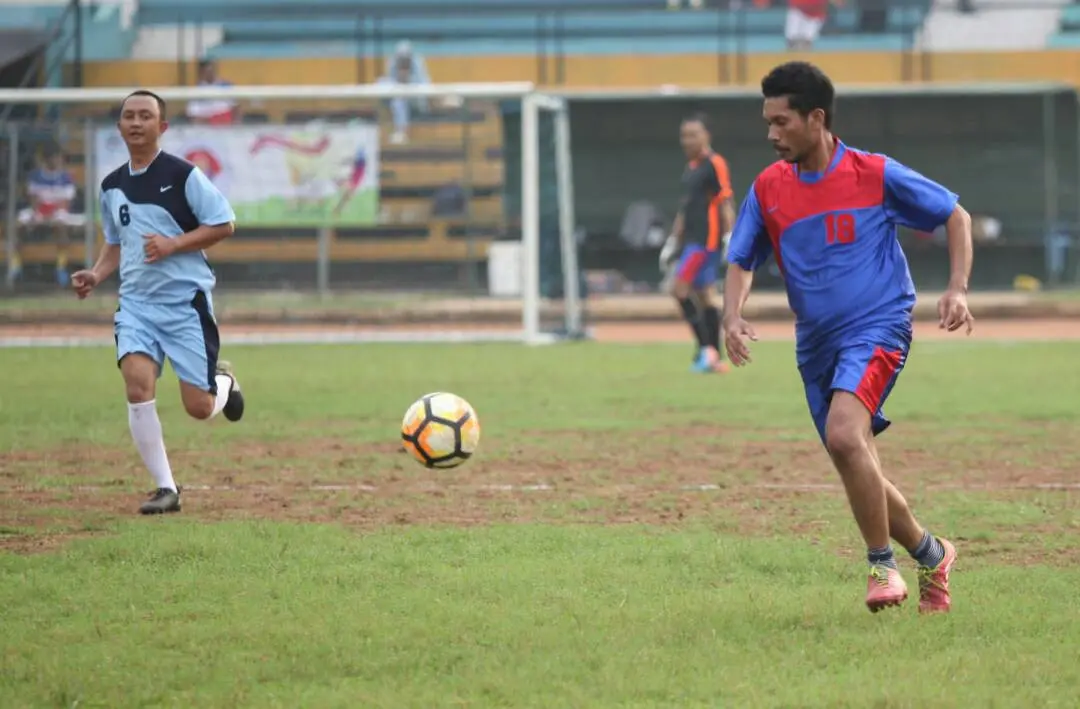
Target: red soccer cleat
<point>884,588</point>
<point>934,594</point>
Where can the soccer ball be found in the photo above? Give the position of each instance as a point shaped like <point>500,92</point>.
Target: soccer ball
<point>440,430</point>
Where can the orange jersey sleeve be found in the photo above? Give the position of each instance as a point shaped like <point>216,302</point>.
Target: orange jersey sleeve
<point>723,177</point>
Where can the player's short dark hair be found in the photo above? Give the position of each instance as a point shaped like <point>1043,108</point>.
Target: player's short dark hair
<point>698,117</point>
<point>806,87</point>
<point>144,92</point>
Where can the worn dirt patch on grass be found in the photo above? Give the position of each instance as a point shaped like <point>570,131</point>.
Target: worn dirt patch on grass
<point>750,484</point>
<point>758,487</point>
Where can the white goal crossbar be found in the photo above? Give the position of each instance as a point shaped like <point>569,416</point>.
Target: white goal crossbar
<point>533,105</point>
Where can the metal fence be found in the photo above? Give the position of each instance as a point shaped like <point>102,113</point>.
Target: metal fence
<point>1012,153</point>
<point>427,205</point>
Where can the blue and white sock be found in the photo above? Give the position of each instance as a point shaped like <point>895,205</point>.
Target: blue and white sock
<point>929,553</point>
<point>881,557</point>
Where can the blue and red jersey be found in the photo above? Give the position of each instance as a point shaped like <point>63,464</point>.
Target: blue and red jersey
<point>834,236</point>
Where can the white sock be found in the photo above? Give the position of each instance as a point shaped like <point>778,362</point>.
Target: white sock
<point>146,432</point>
<point>224,386</point>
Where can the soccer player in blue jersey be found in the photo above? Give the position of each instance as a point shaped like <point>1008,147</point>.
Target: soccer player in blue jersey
<point>829,214</point>
<point>159,213</point>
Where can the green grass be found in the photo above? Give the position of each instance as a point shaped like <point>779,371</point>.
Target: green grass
<point>644,567</point>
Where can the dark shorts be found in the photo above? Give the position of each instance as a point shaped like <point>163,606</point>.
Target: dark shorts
<point>698,266</point>
<point>868,367</point>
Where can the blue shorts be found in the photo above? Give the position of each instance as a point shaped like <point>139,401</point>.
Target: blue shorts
<point>698,266</point>
<point>185,333</point>
<point>867,368</point>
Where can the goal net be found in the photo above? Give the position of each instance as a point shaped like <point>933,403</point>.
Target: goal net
<point>371,212</point>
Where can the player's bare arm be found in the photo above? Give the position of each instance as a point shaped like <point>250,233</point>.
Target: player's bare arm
<point>737,332</point>
<point>727,216</point>
<point>158,247</point>
<point>107,262</point>
<point>953,310</point>
<point>678,227</point>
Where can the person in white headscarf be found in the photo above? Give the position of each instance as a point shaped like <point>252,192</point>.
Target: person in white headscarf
<point>405,68</point>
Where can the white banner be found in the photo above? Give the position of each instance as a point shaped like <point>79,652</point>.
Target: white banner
<point>276,176</point>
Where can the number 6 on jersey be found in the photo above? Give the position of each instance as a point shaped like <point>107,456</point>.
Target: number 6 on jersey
<point>839,228</point>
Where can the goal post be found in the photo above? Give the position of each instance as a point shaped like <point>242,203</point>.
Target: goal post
<point>344,213</point>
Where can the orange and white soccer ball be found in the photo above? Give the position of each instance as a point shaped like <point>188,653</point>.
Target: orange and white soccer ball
<point>440,430</point>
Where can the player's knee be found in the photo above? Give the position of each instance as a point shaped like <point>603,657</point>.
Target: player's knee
<point>846,430</point>
<point>199,407</point>
<point>842,440</point>
<point>140,377</point>
<point>680,289</point>
<point>139,391</point>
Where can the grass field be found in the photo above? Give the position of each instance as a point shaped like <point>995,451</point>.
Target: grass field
<point>593,554</point>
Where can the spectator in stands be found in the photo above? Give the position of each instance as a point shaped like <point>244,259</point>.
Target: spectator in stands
<point>804,21</point>
<point>51,191</point>
<point>217,112</point>
<point>405,68</point>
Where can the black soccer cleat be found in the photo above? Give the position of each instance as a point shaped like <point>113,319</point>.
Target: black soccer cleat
<point>161,501</point>
<point>234,406</point>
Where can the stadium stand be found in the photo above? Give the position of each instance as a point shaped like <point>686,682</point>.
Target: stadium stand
<point>449,147</point>
<point>993,25</point>
<point>584,43</point>
<point>1068,34</point>
<point>508,27</point>
<point>292,28</point>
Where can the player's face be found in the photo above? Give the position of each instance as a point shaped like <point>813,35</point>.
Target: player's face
<point>694,138</point>
<point>791,134</point>
<point>140,122</point>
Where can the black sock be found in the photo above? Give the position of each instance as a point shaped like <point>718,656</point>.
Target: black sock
<point>929,553</point>
<point>712,325</point>
<point>693,317</point>
<point>881,557</point>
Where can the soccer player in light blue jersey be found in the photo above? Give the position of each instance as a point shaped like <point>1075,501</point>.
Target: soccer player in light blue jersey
<point>159,213</point>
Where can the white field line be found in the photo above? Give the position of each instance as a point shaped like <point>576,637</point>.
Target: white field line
<point>332,335</point>
<point>541,488</point>
<point>297,337</point>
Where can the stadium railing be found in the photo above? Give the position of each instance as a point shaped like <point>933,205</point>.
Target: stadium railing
<point>476,227</point>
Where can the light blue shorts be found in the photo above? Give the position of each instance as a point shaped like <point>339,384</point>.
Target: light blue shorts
<point>185,333</point>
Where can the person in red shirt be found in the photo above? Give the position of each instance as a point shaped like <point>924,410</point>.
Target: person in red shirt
<point>221,112</point>
<point>804,21</point>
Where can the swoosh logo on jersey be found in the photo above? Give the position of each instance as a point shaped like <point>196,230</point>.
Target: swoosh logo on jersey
<point>166,188</point>
<point>771,210</point>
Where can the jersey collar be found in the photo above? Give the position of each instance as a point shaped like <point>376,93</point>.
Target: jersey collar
<point>812,177</point>
<point>134,173</point>
<point>700,159</point>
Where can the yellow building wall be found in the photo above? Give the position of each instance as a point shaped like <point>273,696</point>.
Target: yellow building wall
<point>627,71</point>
